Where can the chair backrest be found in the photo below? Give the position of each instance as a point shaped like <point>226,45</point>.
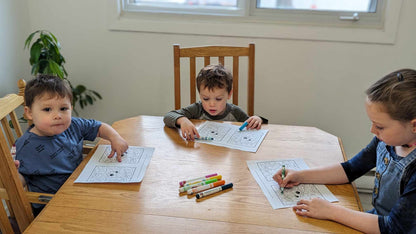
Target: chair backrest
<point>221,52</point>
<point>11,187</point>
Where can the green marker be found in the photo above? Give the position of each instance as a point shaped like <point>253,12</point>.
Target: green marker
<point>283,177</point>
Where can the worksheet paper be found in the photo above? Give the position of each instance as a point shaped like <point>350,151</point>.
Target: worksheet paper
<point>131,169</point>
<point>229,135</point>
<point>263,172</point>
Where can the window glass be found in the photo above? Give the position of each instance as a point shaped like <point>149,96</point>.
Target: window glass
<point>184,3</point>
<point>319,5</point>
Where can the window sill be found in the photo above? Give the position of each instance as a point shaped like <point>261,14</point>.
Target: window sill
<point>119,20</point>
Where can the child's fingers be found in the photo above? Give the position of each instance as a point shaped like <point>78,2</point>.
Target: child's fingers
<point>17,163</point>
<point>112,153</point>
<point>119,154</point>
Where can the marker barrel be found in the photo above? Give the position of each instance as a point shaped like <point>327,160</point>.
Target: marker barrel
<point>205,187</point>
<point>213,190</point>
<point>186,188</point>
<point>204,138</point>
<point>243,126</point>
<point>218,177</point>
<point>182,183</point>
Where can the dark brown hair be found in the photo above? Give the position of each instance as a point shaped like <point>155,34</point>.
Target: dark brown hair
<point>214,76</point>
<point>46,84</point>
<point>397,93</point>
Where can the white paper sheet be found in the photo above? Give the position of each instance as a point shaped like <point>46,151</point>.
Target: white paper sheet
<point>229,135</point>
<point>263,172</point>
<point>101,169</point>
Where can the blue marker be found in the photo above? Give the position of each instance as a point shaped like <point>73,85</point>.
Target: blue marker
<point>243,126</point>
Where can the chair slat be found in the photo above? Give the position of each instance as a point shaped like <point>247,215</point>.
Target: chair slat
<point>7,131</point>
<point>11,182</point>
<point>192,78</point>
<point>221,60</point>
<point>236,67</point>
<point>207,60</point>
<point>5,225</point>
<point>214,51</point>
<point>16,125</point>
<point>9,103</point>
<point>177,76</point>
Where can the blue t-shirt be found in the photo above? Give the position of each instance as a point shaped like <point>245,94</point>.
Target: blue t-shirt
<point>46,162</point>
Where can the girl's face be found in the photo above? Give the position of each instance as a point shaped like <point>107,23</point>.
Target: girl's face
<point>392,132</point>
<point>214,101</point>
<point>50,114</point>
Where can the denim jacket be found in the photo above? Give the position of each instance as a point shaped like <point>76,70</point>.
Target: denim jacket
<point>394,193</point>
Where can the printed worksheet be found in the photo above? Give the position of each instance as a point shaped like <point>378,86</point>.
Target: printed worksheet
<point>263,172</point>
<point>131,169</point>
<point>229,135</point>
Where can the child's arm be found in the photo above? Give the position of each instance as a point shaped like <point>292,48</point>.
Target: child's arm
<point>118,144</point>
<point>188,129</point>
<point>322,209</point>
<point>22,179</point>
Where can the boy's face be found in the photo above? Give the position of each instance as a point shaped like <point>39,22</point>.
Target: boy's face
<point>50,114</point>
<point>214,101</point>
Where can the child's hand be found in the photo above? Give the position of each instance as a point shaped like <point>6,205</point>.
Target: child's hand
<point>188,129</point>
<point>118,146</point>
<point>17,163</point>
<point>291,178</point>
<point>254,122</point>
<point>316,208</point>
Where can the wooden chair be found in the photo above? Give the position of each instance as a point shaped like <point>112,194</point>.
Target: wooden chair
<point>221,52</point>
<point>11,189</point>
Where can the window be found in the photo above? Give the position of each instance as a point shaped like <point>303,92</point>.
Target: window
<point>334,20</point>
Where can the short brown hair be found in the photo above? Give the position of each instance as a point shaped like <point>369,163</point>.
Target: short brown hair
<point>49,84</point>
<point>215,76</point>
<point>397,93</point>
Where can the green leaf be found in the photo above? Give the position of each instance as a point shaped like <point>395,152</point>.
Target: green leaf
<point>35,53</point>
<point>89,99</point>
<point>29,39</point>
<point>81,103</point>
<point>80,89</point>
<point>97,94</point>
<point>55,68</point>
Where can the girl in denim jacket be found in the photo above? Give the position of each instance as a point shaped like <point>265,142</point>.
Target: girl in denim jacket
<point>391,107</point>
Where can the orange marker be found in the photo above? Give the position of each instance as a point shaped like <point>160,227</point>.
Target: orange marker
<point>205,187</point>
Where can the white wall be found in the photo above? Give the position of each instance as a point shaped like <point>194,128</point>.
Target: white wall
<point>14,61</point>
<point>298,82</point>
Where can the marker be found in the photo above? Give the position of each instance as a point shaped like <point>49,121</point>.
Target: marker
<point>182,183</point>
<point>204,138</point>
<point>283,177</point>
<point>243,126</point>
<point>218,177</point>
<point>186,188</point>
<point>205,187</point>
<point>213,190</point>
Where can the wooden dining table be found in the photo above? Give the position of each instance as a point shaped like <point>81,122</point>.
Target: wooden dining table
<point>155,205</point>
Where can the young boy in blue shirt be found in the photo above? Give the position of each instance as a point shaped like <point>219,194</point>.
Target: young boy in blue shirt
<point>214,84</point>
<point>51,148</point>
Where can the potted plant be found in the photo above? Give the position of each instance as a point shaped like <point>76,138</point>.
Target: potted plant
<point>46,58</point>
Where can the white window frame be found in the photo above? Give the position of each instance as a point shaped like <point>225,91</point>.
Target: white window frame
<point>300,25</point>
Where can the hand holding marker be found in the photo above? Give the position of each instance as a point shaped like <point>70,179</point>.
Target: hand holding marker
<point>243,126</point>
